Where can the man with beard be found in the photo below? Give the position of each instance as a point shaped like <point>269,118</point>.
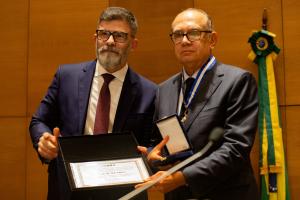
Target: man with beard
<point>73,104</point>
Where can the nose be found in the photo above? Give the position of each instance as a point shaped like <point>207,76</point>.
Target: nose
<point>185,39</point>
<point>110,40</point>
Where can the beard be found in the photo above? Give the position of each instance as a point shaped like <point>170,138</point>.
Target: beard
<point>110,57</point>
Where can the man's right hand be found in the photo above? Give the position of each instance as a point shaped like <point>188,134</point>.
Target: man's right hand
<point>155,153</point>
<point>48,145</point>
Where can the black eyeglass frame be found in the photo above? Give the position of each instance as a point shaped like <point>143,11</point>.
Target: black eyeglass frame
<point>182,34</point>
<point>114,34</point>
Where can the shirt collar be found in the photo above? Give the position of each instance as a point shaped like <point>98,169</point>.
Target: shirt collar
<point>120,74</point>
<point>186,76</point>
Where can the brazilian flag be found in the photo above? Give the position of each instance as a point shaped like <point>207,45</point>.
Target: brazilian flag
<point>273,171</point>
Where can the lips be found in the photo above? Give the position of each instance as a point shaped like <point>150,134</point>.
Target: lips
<point>108,50</point>
<point>187,52</point>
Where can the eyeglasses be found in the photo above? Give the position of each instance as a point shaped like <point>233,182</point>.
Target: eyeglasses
<point>104,35</point>
<point>192,35</point>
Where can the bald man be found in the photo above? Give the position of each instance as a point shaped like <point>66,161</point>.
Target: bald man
<point>207,94</point>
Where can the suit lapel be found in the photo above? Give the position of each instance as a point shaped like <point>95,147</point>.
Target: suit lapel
<point>174,91</point>
<point>84,88</point>
<point>127,97</point>
<point>209,85</point>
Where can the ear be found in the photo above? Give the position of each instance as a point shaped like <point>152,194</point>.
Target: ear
<point>134,44</point>
<point>213,39</point>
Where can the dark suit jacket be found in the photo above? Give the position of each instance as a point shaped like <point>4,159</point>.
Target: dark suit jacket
<point>65,106</point>
<point>227,98</point>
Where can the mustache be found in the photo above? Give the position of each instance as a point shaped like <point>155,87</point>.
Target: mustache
<point>109,49</point>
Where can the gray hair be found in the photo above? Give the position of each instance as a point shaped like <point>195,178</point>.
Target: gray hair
<point>118,13</point>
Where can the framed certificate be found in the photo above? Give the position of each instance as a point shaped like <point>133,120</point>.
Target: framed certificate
<point>109,172</point>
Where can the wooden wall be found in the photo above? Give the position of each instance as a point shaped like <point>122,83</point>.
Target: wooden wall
<point>36,36</point>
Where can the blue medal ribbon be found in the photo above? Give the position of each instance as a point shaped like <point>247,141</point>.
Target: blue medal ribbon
<point>196,85</point>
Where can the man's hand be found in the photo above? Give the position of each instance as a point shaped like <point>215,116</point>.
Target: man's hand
<point>167,184</point>
<point>155,154</point>
<point>48,146</point>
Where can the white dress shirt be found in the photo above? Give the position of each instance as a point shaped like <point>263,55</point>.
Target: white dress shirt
<point>115,88</point>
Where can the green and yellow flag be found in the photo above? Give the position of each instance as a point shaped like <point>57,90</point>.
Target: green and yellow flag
<point>273,172</point>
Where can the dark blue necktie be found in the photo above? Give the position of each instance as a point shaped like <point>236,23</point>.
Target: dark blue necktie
<point>188,85</point>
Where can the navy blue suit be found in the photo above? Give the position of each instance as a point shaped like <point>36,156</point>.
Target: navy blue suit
<point>65,106</point>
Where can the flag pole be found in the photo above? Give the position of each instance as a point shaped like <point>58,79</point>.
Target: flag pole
<point>265,20</point>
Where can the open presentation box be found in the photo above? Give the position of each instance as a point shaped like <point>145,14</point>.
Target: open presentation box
<point>105,166</point>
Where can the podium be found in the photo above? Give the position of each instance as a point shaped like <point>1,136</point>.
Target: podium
<point>105,166</point>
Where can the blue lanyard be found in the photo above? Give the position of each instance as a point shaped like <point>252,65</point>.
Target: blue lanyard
<point>199,78</point>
